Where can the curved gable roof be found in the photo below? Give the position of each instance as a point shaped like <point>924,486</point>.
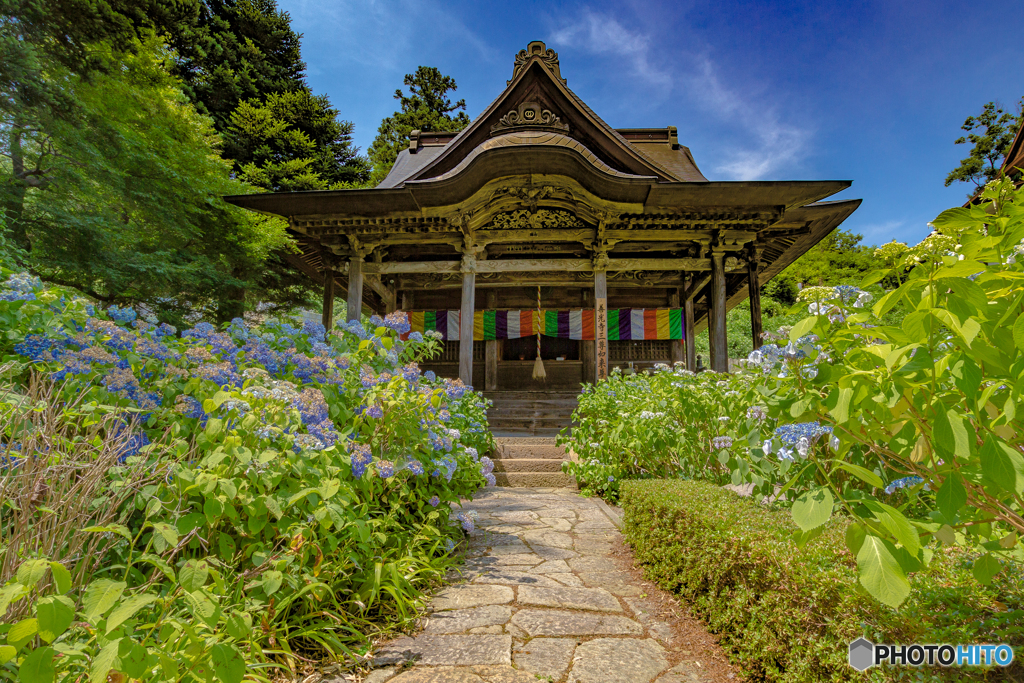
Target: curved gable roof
<point>537,80</point>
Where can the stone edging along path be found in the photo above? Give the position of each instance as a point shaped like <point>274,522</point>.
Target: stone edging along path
<point>548,593</point>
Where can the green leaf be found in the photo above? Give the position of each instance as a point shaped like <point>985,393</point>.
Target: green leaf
<point>951,497</point>
<point>55,615</point>
<point>802,328</point>
<point>896,524</point>
<point>214,426</point>
<point>127,609</point>
<point>239,625</point>
<point>228,663</point>
<point>1002,465</point>
<point>1018,333</point>
<point>7,653</point>
<point>160,564</point>
<point>213,509</point>
<point>946,535</point>
<point>22,631</point>
<point>880,573</point>
<point>203,607</point>
<point>985,568</point>
<point>861,473</point>
<point>32,572</point>
<point>11,593</point>
<point>100,596</point>
<point>813,508</point>
<point>167,532</point>
<point>132,658</point>
<point>38,666</point>
<point>104,662</point>
<point>272,581</point>
<point>193,575</point>
<point>841,412</point>
<point>61,578</point>
<point>855,534</point>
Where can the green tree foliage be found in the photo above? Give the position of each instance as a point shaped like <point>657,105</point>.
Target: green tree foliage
<point>426,107</point>
<point>125,207</point>
<point>837,259</point>
<point>990,133</point>
<point>241,64</point>
<point>293,141</point>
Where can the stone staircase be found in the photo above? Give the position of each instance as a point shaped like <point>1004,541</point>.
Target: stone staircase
<point>530,461</point>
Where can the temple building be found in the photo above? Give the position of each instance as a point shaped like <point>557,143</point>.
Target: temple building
<point>541,229</point>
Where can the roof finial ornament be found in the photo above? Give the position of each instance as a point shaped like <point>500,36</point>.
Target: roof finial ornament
<point>546,55</point>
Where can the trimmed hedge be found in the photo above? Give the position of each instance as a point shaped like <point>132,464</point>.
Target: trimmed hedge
<point>787,614</point>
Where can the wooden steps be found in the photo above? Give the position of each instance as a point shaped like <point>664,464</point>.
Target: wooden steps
<point>530,413</point>
<point>530,461</point>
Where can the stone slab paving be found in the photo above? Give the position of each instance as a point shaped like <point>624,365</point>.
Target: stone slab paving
<point>541,597</point>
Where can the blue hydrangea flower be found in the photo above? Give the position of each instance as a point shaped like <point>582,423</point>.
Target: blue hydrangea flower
<point>905,482</point>
<point>434,501</point>
<point>415,337</point>
<point>397,321</point>
<point>314,330</point>
<point>385,469</point>
<point>361,457</point>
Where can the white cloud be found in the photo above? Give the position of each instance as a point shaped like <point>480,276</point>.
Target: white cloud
<point>765,145</point>
<point>602,34</point>
<point>880,233</point>
<point>773,145</point>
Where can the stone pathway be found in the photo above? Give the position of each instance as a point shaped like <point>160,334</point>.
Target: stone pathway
<point>543,599</point>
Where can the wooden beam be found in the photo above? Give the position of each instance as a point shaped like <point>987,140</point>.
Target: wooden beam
<point>694,286</point>
<point>719,342</point>
<point>535,265</point>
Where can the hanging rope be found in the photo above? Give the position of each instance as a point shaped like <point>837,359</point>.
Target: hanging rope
<point>538,366</point>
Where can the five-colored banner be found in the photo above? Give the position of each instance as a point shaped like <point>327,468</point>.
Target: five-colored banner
<point>623,323</point>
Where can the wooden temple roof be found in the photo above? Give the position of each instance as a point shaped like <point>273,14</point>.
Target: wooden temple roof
<point>538,175</point>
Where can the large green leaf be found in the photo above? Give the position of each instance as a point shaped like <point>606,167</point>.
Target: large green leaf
<point>55,615</point>
<point>228,663</point>
<point>951,496</point>
<point>986,567</point>
<point>813,508</point>
<point>861,473</point>
<point>193,575</point>
<point>22,631</point>
<point>841,412</point>
<point>127,609</point>
<point>104,662</point>
<point>880,573</point>
<point>38,666</point>
<point>100,596</point>
<point>7,653</point>
<point>1018,333</point>
<point>31,572</point>
<point>802,328</point>
<point>1002,465</point>
<point>896,524</point>
<point>61,577</point>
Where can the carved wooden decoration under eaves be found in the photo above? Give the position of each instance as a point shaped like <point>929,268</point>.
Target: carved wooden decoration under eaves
<point>542,218</point>
<point>529,115</point>
<point>547,56</point>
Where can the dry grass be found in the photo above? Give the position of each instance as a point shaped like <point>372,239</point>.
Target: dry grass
<point>65,477</point>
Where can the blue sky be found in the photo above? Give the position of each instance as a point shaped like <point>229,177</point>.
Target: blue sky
<point>873,92</point>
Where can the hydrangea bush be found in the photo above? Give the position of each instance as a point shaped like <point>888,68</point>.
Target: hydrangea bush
<point>910,430</point>
<point>666,423</point>
<point>304,491</point>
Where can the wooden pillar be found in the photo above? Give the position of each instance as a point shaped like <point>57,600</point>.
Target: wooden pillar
<point>466,327</point>
<point>587,360</point>
<point>408,301</point>
<point>328,312</point>
<point>688,331</point>
<point>754,292</point>
<point>355,288</point>
<point>491,350</point>
<point>675,347</point>
<point>601,324</point>
<point>716,322</point>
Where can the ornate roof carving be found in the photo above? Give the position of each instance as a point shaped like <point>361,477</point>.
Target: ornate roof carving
<point>547,56</point>
<point>542,218</point>
<point>530,115</point>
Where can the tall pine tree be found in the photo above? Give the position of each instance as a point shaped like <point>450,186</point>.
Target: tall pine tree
<point>426,107</point>
<point>990,133</point>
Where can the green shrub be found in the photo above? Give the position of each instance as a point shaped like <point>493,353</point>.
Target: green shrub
<point>788,613</point>
<point>655,424</point>
<point>247,499</point>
